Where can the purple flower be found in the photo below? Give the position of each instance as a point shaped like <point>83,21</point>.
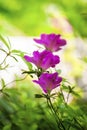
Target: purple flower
<point>44,59</point>
<point>51,42</point>
<point>48,81</point>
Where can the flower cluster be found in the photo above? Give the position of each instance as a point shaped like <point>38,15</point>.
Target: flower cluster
<point>46,59</point>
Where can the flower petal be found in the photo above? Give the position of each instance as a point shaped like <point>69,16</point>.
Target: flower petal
<point>52,41</point>
<point>48,81</point>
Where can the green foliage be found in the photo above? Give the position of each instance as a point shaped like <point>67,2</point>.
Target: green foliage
<point>21,18</point>
<point>76,13</point>
<point>20,110</point>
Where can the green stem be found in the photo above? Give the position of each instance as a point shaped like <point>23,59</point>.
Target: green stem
<point>52,112</point>
<point>58,121</point>
<point>4,60</point>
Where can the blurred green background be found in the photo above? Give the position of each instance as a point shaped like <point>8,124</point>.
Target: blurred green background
<point>32,17</point>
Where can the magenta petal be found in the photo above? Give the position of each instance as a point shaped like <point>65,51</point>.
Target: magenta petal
<point>38,41</point>
<point>27,58</point>
<point>41,85</point>
<point>44,59</point>
<point>48,81</point>
<point>52,42</point>
<point>63,42</point>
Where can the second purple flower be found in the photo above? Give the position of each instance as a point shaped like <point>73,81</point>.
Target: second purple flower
<point>43,60</point>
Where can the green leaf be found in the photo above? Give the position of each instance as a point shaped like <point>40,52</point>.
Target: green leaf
<point>75,93</point>
<point>3,50</point>
<point>38,96</point>
<point>2,68</point>
<point>14,58</point>
<point>18,52</point>
<point>65,88</point>
<point>29,72</point>
<point>2,83</point>
<point>7,127</point>
<point>29,65</point>
<point>5,42</point>
<point>21,54</point>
